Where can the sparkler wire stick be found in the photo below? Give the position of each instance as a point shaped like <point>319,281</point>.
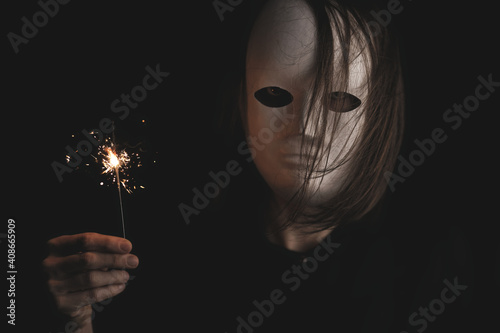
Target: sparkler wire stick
<point>120,197</point>
<point>112,162</point>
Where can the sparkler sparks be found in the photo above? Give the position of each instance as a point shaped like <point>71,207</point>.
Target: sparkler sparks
<point>114,163</point>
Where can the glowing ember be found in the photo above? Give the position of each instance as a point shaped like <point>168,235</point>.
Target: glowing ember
<point>112,160</point>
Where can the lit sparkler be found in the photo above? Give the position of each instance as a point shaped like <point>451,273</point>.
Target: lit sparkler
<point>118,165</point>
<point>113,162</point>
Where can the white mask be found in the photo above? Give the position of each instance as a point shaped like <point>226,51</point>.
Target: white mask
<point>280,70</point>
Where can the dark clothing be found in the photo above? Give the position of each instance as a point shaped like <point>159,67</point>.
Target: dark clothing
<point>221,274</point>
<point>226,277</point>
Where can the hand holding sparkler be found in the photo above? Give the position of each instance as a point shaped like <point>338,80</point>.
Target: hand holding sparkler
<point>87,268</point>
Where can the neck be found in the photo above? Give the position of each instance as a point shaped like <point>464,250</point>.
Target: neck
<point>292,238</point>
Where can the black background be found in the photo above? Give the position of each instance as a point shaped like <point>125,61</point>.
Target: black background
<point>65,78</point>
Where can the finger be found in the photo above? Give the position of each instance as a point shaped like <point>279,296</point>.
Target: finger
<point>88,280</point>
<point>89,241</point>
<point>71,303</point>
<point>63,267</point>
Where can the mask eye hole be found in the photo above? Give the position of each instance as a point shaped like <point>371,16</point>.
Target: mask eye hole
<point>273,97</point>
<point>343,102</point>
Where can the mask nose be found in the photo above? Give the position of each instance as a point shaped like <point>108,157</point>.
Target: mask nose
<point>306,115</point>
<point>301,130</point>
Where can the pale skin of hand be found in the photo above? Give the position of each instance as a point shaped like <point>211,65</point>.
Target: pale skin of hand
<point>84,269</point>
